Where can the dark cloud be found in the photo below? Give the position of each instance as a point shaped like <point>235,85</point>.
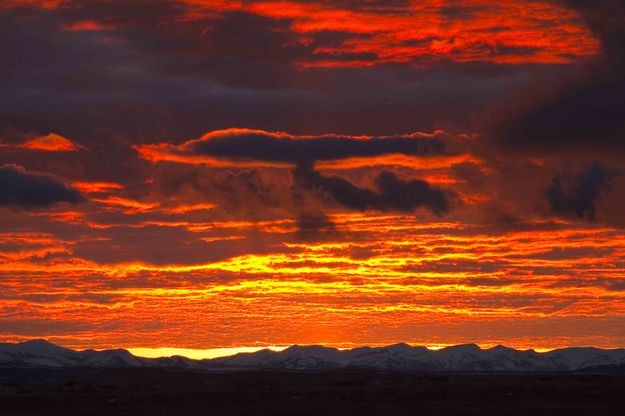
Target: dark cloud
<point>305,194</point>
<point>585,113</point>
<point>21,189</point>
<point>611,284</point>
<point>376,6</point>
<point>605,18</point>
<point>241,144</point>
<point>578,195</point>
<point>585,116</point>
<point>243,194</point>
<point>183,246</point>
<point>154,72</point>
<point>310,191</point>
<point>314,226</point>
<point>454,10</point>
<point>391,194</point>
<point>566,118</point>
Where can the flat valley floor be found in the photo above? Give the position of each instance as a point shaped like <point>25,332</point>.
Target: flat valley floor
<point>164,392</point>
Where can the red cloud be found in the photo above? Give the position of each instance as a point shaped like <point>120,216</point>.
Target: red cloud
<point>507,32</point>
<point>96,187</point>
<point>51,143</point>
<point>418,33</point>
<point>46,4</point>
<point>88,25</point>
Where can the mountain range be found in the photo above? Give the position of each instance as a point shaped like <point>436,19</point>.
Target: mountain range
<point>398,357</point>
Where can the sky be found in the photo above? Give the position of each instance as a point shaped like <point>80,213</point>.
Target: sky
<point>219,174</point>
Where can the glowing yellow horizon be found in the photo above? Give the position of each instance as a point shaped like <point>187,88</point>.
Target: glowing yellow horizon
<point>198,354</point>
<point>210,353</point>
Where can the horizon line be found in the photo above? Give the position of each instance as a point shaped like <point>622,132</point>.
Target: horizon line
<point>210,353</point>
<point>218,352</point>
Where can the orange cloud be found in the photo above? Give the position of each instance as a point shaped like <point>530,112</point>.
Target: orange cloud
<point>183,209</point>
<point>51,143</point>
<point>96,187</point>
<point>419,163</point>
<point>88,25</point>
<point>130,206</point>
<point>166,152</point>
<point>469,284</point>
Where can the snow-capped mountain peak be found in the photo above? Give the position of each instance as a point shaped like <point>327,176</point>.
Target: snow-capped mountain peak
<point>399,357</point>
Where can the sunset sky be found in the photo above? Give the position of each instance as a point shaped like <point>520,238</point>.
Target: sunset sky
<point>207,174</point>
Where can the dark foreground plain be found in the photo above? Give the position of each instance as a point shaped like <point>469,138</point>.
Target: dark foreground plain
<point>145,391</point>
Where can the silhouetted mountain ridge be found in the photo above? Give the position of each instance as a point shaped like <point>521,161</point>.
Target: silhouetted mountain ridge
<point>399,357</point>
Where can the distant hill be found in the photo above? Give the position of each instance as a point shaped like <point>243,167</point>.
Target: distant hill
<point>399,358</point>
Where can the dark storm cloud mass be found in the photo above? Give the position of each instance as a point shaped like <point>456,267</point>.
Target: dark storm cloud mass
<point>21,189</point>
<point>579,195</point>
<point>279,147</point>
<point>391,194</point>
<point>605,18</point>
<point>569,119</point>
<point>146,59</point>
<point>586,113</point>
